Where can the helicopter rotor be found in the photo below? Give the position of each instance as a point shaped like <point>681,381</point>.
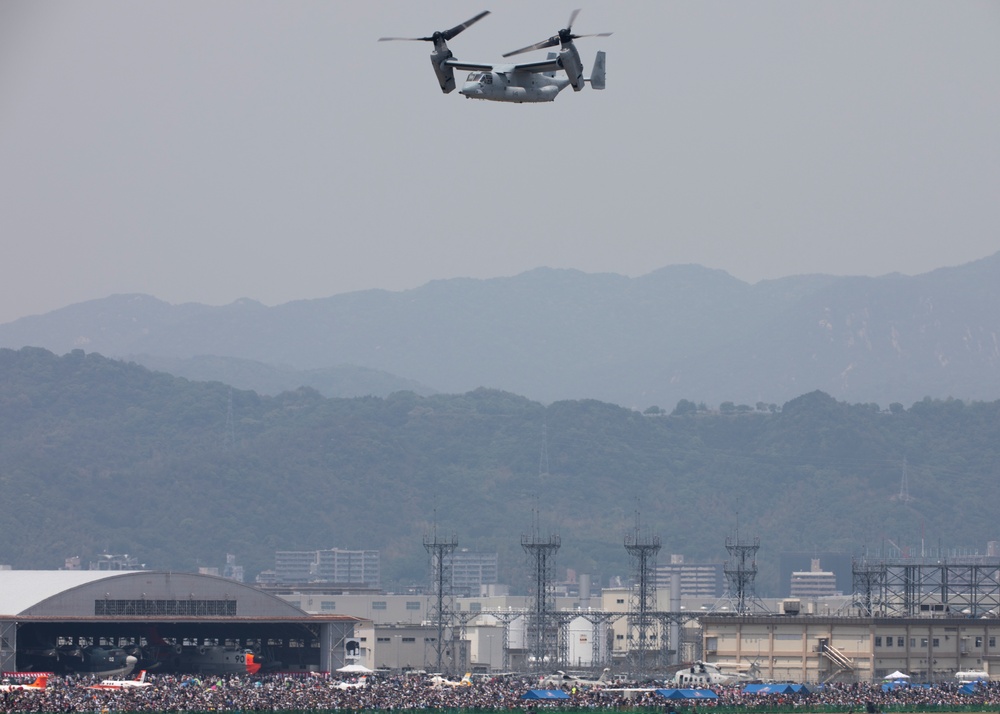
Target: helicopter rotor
<point>563,37</point>
<point>441,34</point>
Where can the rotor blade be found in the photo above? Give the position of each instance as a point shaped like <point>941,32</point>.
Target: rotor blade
<point>551,42</point>
<point>572,18</point>
<point>448,34</point>
<point>445,35</point>
<point>597,34</point>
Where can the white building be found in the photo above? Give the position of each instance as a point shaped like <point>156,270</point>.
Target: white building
<point>361,567</point>
<point>697,580</point>
<point>471,571</point>
<point>813,583</point>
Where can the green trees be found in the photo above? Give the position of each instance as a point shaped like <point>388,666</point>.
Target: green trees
<point>684,407</point>
<point>97,455</point>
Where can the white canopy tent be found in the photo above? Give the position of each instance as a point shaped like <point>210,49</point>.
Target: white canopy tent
<point>355,669</point>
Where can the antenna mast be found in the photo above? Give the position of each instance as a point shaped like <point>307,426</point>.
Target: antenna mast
<point>642,552</point>
<point>741,573</point>
<point>441,611</point>
<point>543,630</point>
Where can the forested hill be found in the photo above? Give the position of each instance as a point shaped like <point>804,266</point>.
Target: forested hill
<point>98,455</point>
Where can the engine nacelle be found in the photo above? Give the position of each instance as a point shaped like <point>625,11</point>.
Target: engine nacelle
<point>445,73</point>
<point>569,58</point>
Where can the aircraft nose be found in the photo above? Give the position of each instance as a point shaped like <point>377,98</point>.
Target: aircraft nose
<point>471,89</point>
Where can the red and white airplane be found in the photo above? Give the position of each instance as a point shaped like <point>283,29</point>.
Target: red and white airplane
<point>35,686</point>
<point>139,681</point>
<point>360,684</point>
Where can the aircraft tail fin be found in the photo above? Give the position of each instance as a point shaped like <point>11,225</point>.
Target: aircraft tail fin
<point>605,675</point>
<point>41,682</point>
<point>141,677</point>
<point>597,74</point>
<point>467,680</point>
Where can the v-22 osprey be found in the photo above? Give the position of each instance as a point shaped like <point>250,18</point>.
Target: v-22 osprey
<point>539,81</point>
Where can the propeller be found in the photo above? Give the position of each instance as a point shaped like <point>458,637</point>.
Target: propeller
<point>565,36</point>
<point>441,34</point>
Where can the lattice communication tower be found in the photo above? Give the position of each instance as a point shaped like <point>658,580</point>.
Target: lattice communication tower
<point>543,626</point>
<point>741,574</point>
<point>442,609</point>
<point>642,552</point>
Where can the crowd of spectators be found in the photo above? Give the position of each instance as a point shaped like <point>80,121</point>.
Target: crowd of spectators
<point>170,693</point>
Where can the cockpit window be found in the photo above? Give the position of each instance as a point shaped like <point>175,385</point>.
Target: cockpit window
<point>473,77</point>
<point>487,78</point>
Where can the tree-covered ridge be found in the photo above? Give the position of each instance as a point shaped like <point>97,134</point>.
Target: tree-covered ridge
<point>97,454</point>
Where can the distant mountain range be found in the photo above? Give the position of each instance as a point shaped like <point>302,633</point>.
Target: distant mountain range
<point>682,332</point>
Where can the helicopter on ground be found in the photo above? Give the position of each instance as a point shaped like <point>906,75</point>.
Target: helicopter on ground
<point>538,81</point>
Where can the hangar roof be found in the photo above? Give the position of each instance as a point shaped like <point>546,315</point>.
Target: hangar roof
<point>134,593</point>
<point>20,589</point>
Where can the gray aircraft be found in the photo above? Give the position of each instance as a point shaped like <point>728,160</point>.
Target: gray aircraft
<point>539,81</point>
<point>568,681</point>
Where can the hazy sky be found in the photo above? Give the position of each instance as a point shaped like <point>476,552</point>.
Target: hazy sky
<point>207,151</point>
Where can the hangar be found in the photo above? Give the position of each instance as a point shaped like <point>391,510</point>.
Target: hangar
<point>48,618</point>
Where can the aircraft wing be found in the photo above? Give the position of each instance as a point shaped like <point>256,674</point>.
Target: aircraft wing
<point>551,65</point>
<point>469,66</point>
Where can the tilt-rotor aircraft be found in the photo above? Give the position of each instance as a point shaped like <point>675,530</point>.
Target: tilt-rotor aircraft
<point>539,81</point>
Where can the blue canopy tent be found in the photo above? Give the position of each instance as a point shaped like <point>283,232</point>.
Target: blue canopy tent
<point>783,688</point>
<point>970,687</point>
<point>687,694</point>
<point>894,684</point>
<point>545,694</point>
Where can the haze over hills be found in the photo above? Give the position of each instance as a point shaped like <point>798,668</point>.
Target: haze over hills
<point>679,332</point>
<point>100,455</point>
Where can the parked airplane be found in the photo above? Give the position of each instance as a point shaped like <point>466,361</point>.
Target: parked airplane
<point>164,656</point>
<point>707,674</point>
<point>438,681</point>
<point>568,681</point>
<point>91,659</point>
<point>138,682</point>
<point>972,675</point>
<point>216,659</point>
<point>36,686</point>
<point>360,684</point>
<point>630,692</point>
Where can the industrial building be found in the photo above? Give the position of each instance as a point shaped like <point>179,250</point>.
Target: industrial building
<point>804,648</point>
<point>43,610</point>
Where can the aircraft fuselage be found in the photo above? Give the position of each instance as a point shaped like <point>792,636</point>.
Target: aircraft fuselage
<point>513,86</point>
